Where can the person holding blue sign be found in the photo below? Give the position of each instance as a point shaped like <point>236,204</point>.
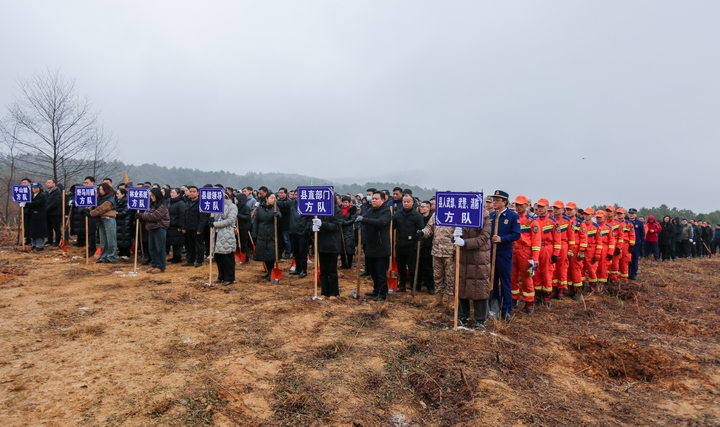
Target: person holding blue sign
<point>506,230</point>
<point>377,246</point>
<point>104,213</point>
<point>474,272</point>
<point>329,229</point>
<point>124,218</point>
<point>37,218</point>
<point>157,220</point>
<point>225,243</point>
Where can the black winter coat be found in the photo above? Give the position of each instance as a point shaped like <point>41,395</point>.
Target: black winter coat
<point>53,205</point>
<point>329,235</point>
<point>407,223</point>
<point>37,221</point>
<point>349,231</point>
<point>426,243</point>
<point>124,218</point>
<point>377,232</point>
<point>667,234</point>
<point>244,213</point>
<point>298,224</point>
<point>194,219</point>
<point>284,223</point>
<point>678,230</point>
<point>176,208</point>
<point>263,233</point>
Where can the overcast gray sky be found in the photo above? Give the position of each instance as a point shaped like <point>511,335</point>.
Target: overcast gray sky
<point>595,102</point>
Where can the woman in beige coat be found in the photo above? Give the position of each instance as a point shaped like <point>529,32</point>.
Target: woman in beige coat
<point>474,272</point>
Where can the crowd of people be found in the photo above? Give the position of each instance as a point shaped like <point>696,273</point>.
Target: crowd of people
<point>525,253</point>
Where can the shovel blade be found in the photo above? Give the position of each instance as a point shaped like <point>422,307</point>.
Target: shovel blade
<point>275,275</point>
<point>392,282</point>
<point>238,257</point>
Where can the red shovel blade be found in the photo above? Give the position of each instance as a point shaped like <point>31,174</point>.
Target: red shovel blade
<point>98,251</point>
<point>275,274</point>
<point>392,281</point>
<point>238,256</point>
<point>243,257</point>
<point>293,266</point>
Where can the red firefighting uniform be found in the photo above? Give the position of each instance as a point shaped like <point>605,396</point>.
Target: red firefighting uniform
<point>614,267</point>
<point>606,245</point>
<point>525,249</point>
<point>560,276</point>
<point>628,231</point>
<point>549,246</point>
<point>592,255</point>
<point>577,246</point>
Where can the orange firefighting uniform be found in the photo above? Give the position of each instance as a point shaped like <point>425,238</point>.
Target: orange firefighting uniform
<point>592,255</point>
<point>560,276</point>
<point>605,246</point>
<point>577,246</point>
<point>525,249</point>
<point>549,246</point>
<point>614,267</point>
<point>628,232</point>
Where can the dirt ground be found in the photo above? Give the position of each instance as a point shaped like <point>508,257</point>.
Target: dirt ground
<point>92,345</point>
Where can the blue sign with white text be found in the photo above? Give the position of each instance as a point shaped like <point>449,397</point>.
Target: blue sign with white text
<point>459,209</point>
<point>86,196</point>
<point>21,194</point>
<point>212,200</point>
<point>138,199</point>
<point>316,200</point>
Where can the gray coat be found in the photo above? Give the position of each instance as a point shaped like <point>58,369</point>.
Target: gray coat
<point>224,226</point>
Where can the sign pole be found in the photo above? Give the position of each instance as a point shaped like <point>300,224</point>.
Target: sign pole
<point>457,285</point>
<point>317,263</point>
<point>417,270</point>
<point>87,241</point>
<point>137,231</point>
<point>359,249</point>
<point>212,237</point>
<point>62,226</point>
<point>22,225</point>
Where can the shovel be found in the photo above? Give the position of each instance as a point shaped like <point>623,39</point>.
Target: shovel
<point>276,272</point>
<point>238,253</point>
<point>317,267</point>
<point>359,246</point>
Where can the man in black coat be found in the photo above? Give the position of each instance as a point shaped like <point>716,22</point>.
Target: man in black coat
<point>329,229</point>
<point>37,220</point>
<point>299,235</point>
<point>284,243</point>
<point>195,222</point>
<point>407,221</point>
<point>377,246</point>
<point>53,212</point>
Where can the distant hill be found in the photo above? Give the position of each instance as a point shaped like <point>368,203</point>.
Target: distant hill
<point>273,180</point>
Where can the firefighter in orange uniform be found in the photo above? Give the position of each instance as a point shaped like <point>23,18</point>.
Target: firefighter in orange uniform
<point>606,246</point>
<point>628,241</point>
<point>614,267</point>
<point>560,276</point>
<point>578,248</point>
<point>592,255</point>
<point>526,256</point>
<point>549,252</point>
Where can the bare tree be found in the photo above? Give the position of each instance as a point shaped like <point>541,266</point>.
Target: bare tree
<point>8,161</point>
<point>57,127</point>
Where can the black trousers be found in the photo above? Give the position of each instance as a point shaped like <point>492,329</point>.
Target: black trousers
<point>245,246</point>
<point>378,267</point>
<point>666,251</point>
<point>406,260</point>
<point>54,226</point>
<point>226,267</point>
<point>194,247</point>
<point>299,244</point>
<point>328,275</point>
<point>346,260</point>
<point>480,307</point>
<point>176,251</point>
<point>425,269</point>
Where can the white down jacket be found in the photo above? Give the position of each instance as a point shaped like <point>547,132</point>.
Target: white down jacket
<point>224,226</point>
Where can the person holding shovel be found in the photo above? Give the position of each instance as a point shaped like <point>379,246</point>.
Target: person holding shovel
<point>263,233</point>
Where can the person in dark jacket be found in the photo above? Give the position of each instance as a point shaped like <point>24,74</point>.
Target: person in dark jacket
<point>263,233</point>
<point>157,220</point>
<point>124,218</point>
<point>195,222</point>
<point>328,229</point>
<point>348,236</point>
<point>377,247</point>
<point>667,238</point>
<point>300,227</point>
<point>244,225</point>
<point>53,211</point>
<point>716,239</point>
<point>175,236</point>
<point>407,222</point>
<point>425,268</point>
<point>284,243</point>
<point>104,213</point>
<point>37,221</point>
<point>677,247</point>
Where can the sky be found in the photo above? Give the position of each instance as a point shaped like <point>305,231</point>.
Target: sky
<point>593,102</point>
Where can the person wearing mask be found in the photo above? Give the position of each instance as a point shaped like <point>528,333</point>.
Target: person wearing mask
<point>124,218</point>
<point>157,220</point>
<point>652,237</point>
<point>263,232</point>
<point>53,211</point>
<point>225,243</point>
<point>175,237</point>
<point>408,224</point>
<point>104,214</point>
<point>474,281</point>
<point>195,222</point>
<point>667,238</point>
<point>349,235</point>
<point>377,246</point>
<point>37,218</point>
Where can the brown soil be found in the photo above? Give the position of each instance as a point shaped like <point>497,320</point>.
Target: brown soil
<point>85,345</point>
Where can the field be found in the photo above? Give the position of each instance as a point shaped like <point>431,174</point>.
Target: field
<point>93,345</point>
